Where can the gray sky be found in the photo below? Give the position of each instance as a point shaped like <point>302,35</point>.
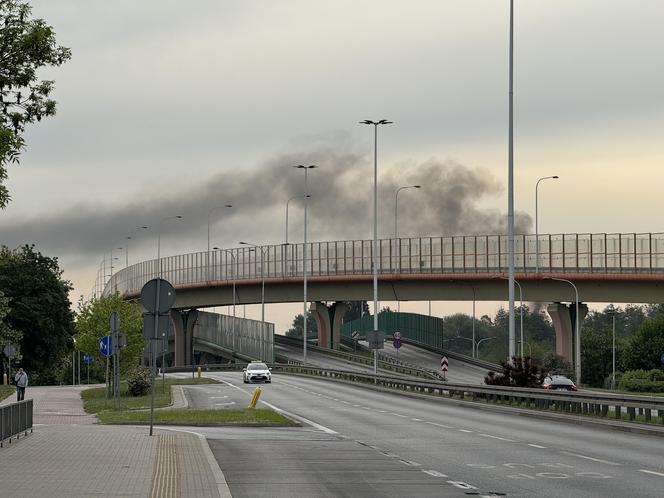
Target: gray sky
<point>171,107</point>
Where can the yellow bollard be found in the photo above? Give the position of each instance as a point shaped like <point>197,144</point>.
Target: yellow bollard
<point>4,379</point>
<point>254,398</point>
<point>199,372</point>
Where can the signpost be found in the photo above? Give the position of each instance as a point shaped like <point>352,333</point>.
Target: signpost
<point>376,339</point>
<point>105,349</point>
<point>355,335</point>
<point>157,297</point>
<point>87,359</point>
<point>443,365</point>
<point>115,343</point>
<point>662,358</point>
<point>396,342</point>
<point>10,352</point>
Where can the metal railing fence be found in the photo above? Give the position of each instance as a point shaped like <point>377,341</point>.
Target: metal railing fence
<point>15,418</point>
<point>580,253</point>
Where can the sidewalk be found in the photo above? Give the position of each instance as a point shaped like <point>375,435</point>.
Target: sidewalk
<point>70,455</point>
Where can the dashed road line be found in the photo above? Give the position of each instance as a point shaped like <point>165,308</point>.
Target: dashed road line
<point>416,419</point>
<point>652,472</point>
<point>410,463</point>
<point>498,437</point>
<point>598,460</point>
<point>465,430</point>
<point>434,473</point>
<point>537,446</point>
<point>443,426</point>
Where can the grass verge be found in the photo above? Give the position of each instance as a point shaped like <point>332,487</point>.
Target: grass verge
<point>94,400</point>
<point>223,417</point>
<point>6,391</point>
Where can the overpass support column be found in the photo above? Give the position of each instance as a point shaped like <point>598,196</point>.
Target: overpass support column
<point>564,323</point>
<point>184,322</point>
<point>328,321</point>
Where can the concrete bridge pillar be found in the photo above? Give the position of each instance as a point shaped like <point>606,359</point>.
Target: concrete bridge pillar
<point>564,323</point>
<point>183,326</point>
<point>328,321</point>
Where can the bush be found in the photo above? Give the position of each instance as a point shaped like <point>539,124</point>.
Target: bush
<point>521,372</point>
<point>643,381</point>
<point>138,381</point>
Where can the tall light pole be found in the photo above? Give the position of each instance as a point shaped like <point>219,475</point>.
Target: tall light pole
<point>510,187</point>
<point>396,230</point>
<point>577,339</point>
<point>305,312</point>
<point>128,238</point>
<point>374,251</point>
<point>227,251</point>
<point>477,346</point>
<point>554,177</point>
<point>161,222</point>
<point>262,249</point>
<point>287,202</point>
<point>516,282</point>
<point>207,259</point>
<point>613,375</point>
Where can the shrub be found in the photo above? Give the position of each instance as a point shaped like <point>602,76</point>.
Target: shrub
<point>643,381</point>
<point>519,373</point>
<point>138,381</point>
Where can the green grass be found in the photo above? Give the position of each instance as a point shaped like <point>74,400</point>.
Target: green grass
<point>94,400</point>
<point>6,391</point>
<point>224,417</point>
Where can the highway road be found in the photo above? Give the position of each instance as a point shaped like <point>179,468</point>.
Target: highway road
<point>361,442</point>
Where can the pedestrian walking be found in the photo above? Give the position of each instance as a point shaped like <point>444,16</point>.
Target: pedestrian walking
<point>21,383</point>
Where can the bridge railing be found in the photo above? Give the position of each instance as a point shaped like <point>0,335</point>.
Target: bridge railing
<point>582,253</point>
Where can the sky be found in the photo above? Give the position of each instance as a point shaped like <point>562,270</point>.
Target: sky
<point>173,108</point>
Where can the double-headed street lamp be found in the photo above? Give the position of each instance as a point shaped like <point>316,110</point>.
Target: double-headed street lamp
<point>207,260</point>
<point>396,230</point>
<point>554,177</point>
<point>577,338</point>
<point>374,251</point>
<point>227,251</point>
<point>262,249</point>
<point>305,312</point>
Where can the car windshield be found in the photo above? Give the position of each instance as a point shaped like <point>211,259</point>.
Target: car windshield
<point>561,380</point>
<point>257,366</point>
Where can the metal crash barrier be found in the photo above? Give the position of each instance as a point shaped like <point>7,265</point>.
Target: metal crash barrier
<point>14,420</point>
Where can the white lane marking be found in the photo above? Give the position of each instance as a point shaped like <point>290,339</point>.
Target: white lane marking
<point>498,437</point>
<point>416,419</point>
<point>461,485</point>
<point>464,430</point>
<point>382,411</point>
<point>411,463</point>
<point>652,472</point>
<point>289,414</point>
<point>434,473</point>
<point>598,460</point>
<point>439,425</point>
<point>366,408</point>
<point>218,397</point>
<point>537,446</point>
<point>356,406</point>
<point>399,415</point>
<point>225,404</point>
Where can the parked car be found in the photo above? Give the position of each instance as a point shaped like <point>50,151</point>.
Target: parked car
<point>256,372</point>
<point>558,383</point>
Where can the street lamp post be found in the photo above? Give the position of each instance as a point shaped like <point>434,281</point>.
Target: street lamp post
<point>262,249</point>
<point>613,355</point>
<point>554,177</point>
<point>510,185</point>
<point>396,230</point>
<point>374,252</point>
<point>288,202</point>
<point>305,312</point>
<point>577,339</point>
<point>207,259</point>
<point>516,282</point>
<point>128,238</point>
<point>477,346</point>
<point>233,263</point>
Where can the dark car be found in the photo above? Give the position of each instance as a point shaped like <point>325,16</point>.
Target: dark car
<point>558,383</point>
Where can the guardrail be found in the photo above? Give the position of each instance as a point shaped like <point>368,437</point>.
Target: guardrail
<point>14,419</point>
<point>456,356</point>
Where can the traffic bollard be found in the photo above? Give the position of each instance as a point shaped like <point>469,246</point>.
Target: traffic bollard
<point>199,372</point>
<point>254,398</point>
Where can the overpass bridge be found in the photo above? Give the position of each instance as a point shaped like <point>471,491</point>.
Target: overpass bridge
<point>619,267</point>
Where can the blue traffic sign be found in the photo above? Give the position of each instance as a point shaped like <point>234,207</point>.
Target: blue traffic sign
<point>105,346</point>
<point>87,359</point>
<point>662,358</point>
<point>396,343</point>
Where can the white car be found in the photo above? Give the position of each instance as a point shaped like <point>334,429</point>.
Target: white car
<point>256,372</point>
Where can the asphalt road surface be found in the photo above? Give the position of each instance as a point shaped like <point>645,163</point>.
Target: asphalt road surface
<point>360,442</point>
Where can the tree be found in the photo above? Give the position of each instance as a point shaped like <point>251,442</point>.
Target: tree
<point>356,309</point>
<point>93,323</point>
<point>7,334</point>
<point>521,372</point>
<point>25,46</point>
<point>298,327</point>
<point>644,349</point>
<point>39,309</point>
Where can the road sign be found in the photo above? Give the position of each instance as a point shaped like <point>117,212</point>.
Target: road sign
<point>149,295</point>
<point>10,350</point>
<point>662,358</point>
<point>115,321</point>
<point>376,339</point>
<point>355,335</point>
<point>105,346</point>
<point>87,359</point>
<point>396,343</point>
<point>444,363</point>
<point>397,335</point>
<point>148,326</point>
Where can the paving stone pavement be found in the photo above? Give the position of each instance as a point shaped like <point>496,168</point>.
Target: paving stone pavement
<point>70,455</point>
